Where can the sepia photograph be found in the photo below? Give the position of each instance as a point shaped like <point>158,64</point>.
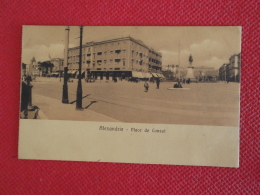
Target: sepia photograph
<point>161,75</point>
<point>146,94</point>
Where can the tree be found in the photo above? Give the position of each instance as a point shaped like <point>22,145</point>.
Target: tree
<point>23,68</point>
<point>45,67</point>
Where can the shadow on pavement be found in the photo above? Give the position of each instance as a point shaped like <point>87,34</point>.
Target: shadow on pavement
<point>82,98</point>
<point>92,102</point>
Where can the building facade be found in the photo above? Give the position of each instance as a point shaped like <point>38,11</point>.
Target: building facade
<point>234,68</point>
<point>57,64</point>
<point>230,72</point>
<point>32,68</point>
<point>122,57</point>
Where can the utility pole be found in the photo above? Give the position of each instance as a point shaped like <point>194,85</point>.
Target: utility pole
<point>59,70</point>
<point>179,61</point>
<point>79,88</point>
<point>65,97</point>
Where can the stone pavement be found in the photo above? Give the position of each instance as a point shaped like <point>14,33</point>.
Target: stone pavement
<point>54,109</point>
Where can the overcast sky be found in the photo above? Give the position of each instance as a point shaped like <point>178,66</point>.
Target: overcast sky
<point>209,46</point>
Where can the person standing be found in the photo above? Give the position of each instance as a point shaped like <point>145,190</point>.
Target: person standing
<point>146,86</point>
<point>158,83</point>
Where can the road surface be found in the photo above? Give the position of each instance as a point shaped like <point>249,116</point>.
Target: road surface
<point>214,104</point>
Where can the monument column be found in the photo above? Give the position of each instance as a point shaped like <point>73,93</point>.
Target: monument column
<point>190,74</point>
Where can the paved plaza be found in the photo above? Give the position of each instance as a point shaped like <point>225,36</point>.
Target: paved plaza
<point>215,104</point>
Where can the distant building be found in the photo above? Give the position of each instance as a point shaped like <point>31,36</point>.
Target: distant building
<point>58,64</point>
<point>32,67</point>
<point>122,57</point>
<point>223,72</point>
<point>205,72</point>
<point>230,71</point>
<point>234,68</point>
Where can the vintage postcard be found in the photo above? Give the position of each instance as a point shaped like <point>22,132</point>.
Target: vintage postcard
<point>153,95</point>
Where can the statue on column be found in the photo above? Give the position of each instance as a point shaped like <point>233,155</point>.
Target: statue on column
<point>190,59</point>
<point>190,77</point>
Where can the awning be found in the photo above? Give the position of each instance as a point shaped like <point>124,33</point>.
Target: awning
<point>137,74</point>
<point>134,74</point>
<point>81,72</point>
<point>147,75</point>
<point>155,75</point>
<point>162,76</point>
<point>72,71</point>
<point>140,75</point>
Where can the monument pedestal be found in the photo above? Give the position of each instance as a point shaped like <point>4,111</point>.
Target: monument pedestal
<point>190,75</point>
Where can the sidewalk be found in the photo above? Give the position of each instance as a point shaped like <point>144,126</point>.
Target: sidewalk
<point>54,109</point>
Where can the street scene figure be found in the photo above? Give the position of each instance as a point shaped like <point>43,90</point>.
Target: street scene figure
<point>158,82</point>
<point>188,81</point>
<point>177,85</point>
<point>146,86</point>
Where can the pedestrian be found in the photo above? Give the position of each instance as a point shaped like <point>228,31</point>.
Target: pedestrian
<point>146,86</point>
<point>188,81</point>
<point>177,85</point>
<point>158,82</point>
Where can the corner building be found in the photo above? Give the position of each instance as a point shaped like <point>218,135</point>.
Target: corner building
<point>123,58</point>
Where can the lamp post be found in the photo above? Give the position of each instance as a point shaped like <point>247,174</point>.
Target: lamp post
<point>225,66</point>
<point>59,71</point>
<point>79,88</point>
<point>65,98</point>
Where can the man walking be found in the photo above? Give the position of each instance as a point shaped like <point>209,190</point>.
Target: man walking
<point>146,86</point>
<point>158,82</point>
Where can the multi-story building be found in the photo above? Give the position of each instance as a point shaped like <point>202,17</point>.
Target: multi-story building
<point>223,72</point>
<point>122,57</point>
<point>230,72</point>
<point>234,68</point>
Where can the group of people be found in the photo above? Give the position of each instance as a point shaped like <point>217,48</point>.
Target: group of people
<point>177,85</point>
<point>146,85</point>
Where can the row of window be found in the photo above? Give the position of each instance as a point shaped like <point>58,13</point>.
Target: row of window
<point>99,47</point>
<point>117,53</point>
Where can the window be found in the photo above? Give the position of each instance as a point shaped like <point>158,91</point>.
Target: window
<point>111,54</point>
<point>99,62</point>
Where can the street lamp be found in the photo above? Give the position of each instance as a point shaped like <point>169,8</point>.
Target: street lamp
<point>225,72</point>
<point>79,88</point>
<point>65,97</point>
<point>59,70</point>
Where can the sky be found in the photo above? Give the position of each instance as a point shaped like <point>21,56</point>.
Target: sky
<point>209,46</point>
